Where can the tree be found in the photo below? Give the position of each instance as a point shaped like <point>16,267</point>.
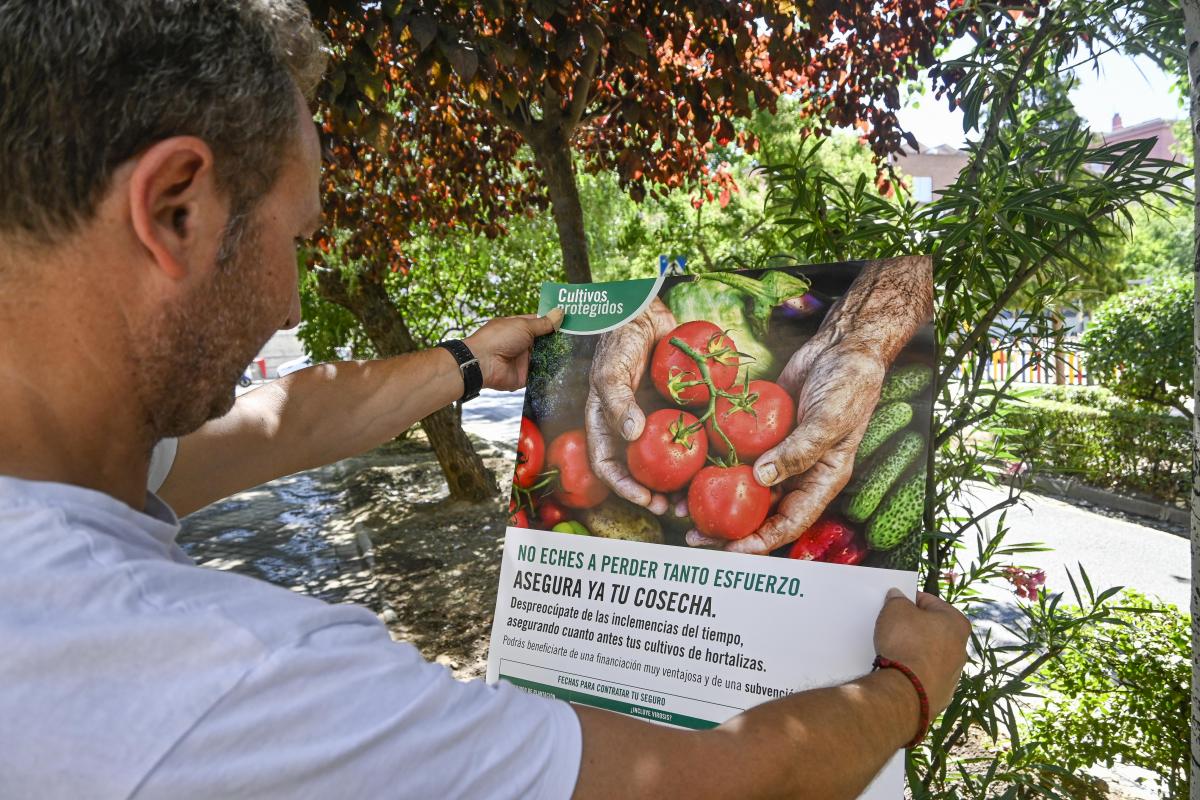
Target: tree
<point>1139,344</point>
<point>1191,71</point>
<point>446,116</point>
<point>1161,244</point>
<point>1019,221</point>
<point>436,111</point>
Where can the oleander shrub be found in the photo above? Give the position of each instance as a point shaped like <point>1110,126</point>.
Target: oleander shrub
<point>1121,691</point>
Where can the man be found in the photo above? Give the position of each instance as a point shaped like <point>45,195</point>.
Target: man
<point>158,165</point>
<point>835,378</point>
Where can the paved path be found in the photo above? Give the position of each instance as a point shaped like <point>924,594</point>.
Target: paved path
<point>1114,552</point>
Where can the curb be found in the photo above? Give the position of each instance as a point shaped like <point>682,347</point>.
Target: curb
<point>1072,488</point>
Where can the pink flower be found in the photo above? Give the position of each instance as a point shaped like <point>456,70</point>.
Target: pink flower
<point>1028,584</point>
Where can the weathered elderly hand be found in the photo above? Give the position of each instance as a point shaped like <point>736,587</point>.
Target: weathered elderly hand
<point>836,386</point>
<point>503,345</point>
<point>612,415</point>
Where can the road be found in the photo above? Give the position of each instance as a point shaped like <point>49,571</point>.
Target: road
<point>1113,551</point>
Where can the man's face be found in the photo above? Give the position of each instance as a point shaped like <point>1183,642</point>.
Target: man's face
<point>205,342</point>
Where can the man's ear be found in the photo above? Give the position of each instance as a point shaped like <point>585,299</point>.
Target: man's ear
<point>176,209</point>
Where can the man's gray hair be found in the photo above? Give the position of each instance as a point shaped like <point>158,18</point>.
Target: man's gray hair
<point>87,84</point>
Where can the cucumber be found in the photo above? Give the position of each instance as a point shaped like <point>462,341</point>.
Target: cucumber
<point>905,383</point>
<point>888,419</point>
<point>906,556</point>
<point>881,477</point>
<point>899,515</point>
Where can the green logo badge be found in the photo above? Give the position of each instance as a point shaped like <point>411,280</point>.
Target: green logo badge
<point>598,307</point>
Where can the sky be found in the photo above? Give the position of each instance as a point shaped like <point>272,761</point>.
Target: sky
<point>1134,88</point>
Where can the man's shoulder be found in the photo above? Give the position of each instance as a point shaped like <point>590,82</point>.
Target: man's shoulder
<point>75,560</point>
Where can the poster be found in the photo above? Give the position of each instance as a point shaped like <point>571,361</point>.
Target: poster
<point>718,478</point>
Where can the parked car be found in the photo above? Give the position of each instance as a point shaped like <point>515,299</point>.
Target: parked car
<point>297,364</point>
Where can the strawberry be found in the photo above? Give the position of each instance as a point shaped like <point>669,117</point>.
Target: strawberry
<point>828,534</point>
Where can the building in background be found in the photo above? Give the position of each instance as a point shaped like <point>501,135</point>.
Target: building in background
<point>1161,129</point>
<point>929,170</point>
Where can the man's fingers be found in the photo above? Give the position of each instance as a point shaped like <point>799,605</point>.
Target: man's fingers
<point>604,453</point>
<point>797,453</point>
<point>621,410</point>
<point>794,372</point>
<point>695,538</point>
<point>553,318</point>
<point>800,508</point>
<point>679,506</point>
<point>929,602</point>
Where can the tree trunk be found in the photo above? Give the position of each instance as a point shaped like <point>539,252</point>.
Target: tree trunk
<point>466,475</point>
<point>1191,25</point>
<point>554,157</point>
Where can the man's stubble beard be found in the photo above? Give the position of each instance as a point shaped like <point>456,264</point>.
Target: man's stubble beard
<point>202,345</point>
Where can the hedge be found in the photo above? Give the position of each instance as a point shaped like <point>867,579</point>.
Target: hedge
<point>1107,445</point>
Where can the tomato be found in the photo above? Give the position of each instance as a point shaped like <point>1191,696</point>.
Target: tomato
<point>531,454</point>
<point>666,456</point>
<point>550,513</point>
<point>727,502</point>
<point>578,486</point>
<point>669,363</point>
<point>517,516</point>
<point>756,428</point>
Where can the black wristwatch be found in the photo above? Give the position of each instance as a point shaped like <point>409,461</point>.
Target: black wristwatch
<point>468,367</point>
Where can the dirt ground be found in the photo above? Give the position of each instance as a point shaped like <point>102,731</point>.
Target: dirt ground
<point>435,562</point>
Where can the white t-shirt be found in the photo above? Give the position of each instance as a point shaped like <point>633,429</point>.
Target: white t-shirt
<point>162,458</point>
<point>128,672</point>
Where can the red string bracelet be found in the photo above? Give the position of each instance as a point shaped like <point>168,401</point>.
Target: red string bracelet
<point>886,663</point>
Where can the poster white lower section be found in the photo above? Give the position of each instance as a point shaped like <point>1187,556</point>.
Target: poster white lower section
<point>680,636</point>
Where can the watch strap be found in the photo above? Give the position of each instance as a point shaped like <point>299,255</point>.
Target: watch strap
<point>468,367</point>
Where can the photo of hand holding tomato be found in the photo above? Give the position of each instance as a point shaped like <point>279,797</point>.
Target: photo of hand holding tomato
<point>798,434</point>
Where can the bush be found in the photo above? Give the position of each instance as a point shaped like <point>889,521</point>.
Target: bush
<point>1108,445</point>
<point>1121,692</point>
<point>1139,343</point>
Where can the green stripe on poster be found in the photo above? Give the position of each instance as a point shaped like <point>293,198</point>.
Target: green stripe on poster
<point>613,704</point>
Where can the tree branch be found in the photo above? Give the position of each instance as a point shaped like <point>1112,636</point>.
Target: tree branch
<point>505,118</point>
<point>1006,100</point>
<point>581,91</point>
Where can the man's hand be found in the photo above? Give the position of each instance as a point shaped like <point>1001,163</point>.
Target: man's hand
<point>612,416</point>
<point>837,386</point>
<point>502,347</point>
<point>930,638</point>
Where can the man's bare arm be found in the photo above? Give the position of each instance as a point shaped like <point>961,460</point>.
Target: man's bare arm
<point>883,308</point>
<point>306,419</point>
<point>825,744</point>
<point>332,411</point>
